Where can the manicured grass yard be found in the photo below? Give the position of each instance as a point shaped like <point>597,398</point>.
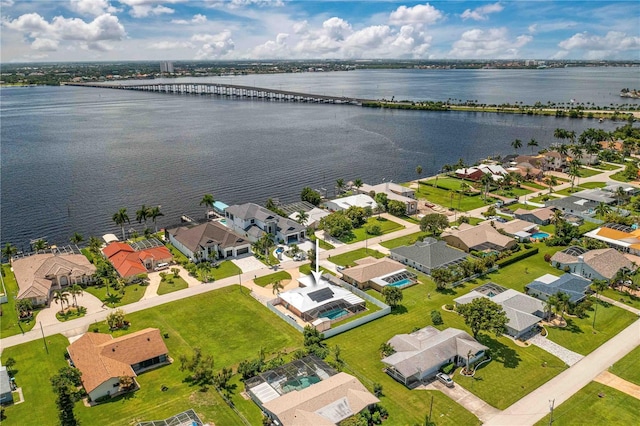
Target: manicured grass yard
<point>348,259</point>
<point>177,254</point>
<point>516,206</point>
<point>513,192</point>
<point>407,240</point>
<point>449,183</point>
<point>536,185</point>
<point>306,269</point>
<point>627,367</point>
<point>228,324</point>
<point>360,234</point>
<point>175,284</point>
<point>132,293</point>
<point>592,185</point>
<point>9,322</point>
<point>623,297</point>
<point>224,269</point>
<point>607,166</point>
<point>444,198</point>
<point>579,335</point>
<point>272,278</point>
<point>588,172</point>
<point>588,407</point>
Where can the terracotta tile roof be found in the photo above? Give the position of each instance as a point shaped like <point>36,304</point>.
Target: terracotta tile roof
<point>100,357</point>
<point>116,247</point>
<point>128,262</point>
<point>35,274</point>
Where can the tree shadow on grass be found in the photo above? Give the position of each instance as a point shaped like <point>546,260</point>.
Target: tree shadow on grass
<point>500,352</point>
<point>571,327</point>
<point>447,291</point>
<point>399,310</point>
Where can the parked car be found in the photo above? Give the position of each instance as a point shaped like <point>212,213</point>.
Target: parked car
<point>445,379</point>
<point>340,268</point>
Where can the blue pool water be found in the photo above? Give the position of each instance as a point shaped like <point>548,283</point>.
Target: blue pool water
<point>335,314</point>
<point>400,283</point>
<point>539,235</point>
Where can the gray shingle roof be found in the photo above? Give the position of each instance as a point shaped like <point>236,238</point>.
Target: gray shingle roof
<point>250,211</point>
<point>206,235</point>
<point>572,285</point>
<point>431,253</point>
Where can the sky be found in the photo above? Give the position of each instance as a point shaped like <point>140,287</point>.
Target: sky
<point>119,30</point>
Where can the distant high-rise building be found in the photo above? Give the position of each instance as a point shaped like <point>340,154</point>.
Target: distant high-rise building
<point>166,67</point>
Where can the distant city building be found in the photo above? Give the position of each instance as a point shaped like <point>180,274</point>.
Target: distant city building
<point>166,67</point>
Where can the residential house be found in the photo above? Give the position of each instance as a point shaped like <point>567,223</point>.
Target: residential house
<point>102,360</point>
<point>308,392</point>
<point>378,273</point>
<point>526,170</point>
<point>419,355</point>
<point>523,312</point>
<point>130,261</point>
<point>573,205</point>
<point>253,221</point>
<point>208,241</point>
<point>536,161</point>
<point>601,264</point>
<point>428,255</point>
<point>313,219</point>
<point>555,161</point>
<point>539,216</point>
<point>547,285</point>
<point>475,173</point>
<point>396,192</point>
<point>596,195</point>
<point>481,237</point>
<point>358,200</point>
<point>6,397</point>
<point>517,228</point>
<point>39,275</point>
<point>620,237</point>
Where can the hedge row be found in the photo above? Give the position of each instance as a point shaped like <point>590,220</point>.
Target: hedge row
<point>516,257</point>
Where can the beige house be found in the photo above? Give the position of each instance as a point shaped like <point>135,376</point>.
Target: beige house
<point>394,192</point>
<point>479,238</point>
<point>39,275</point>
<point>376,273</point>
<point>103,359</point>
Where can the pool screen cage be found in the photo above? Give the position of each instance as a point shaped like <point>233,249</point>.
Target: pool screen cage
<point>403,275</point>
<point>309,366</point>
<point>186,418</point>
<point>318,312</point>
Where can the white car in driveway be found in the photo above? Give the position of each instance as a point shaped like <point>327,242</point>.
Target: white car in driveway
<point>444,379</point>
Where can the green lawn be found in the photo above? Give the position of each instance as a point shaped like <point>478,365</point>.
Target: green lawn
<point>588,172</point>
<point>540,198</point>
<point>227,323</point>
<point>175,285</point>
<point>592,185</point>
<point>177,254</point>
<point>348,259</point>
<point>224,270</point>
<point>306,269</point>
<point>534,185</point>
<point>9,320</point>
<point>360,234</point>
<point>271,278</point>
<point>596,404</point>
<point>448,198</point>
<point>606,166</point>
<point>569,191</point>
<point>623,297</point>
<point>627,367</point>
<point>322,243</point>
<point>579,335</point>
<point>513,192</point>
<point>407,240</point>
<point>516,206</point>
<point>132,293</point>
<point>448,183</point>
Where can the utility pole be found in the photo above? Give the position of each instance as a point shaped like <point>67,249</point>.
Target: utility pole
<point>430,411</point>
<point>551,402</point>
<point>44,339</point>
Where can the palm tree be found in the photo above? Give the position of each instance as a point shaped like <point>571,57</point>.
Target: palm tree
<point>155,213</point>
<point>120,218</point>
<point>550,305</point>
<point>574,171</point>
<point>302,217</point>
<point>419,173</point>
<point>142,214</point>
<point>94,244</point>
<point>62,297</point>
<point>75,291</point>
<point>205,268</point>
<point>276,287</point>
<point>550,181</point>
<point>621,194</point>
<point>340,185</point>
<point>40,245</point>
<point>8,251</point>
<point>563,303</point>
<point>532,143</point>
<point>357,184</point>
<point>602,209</point>
<point>516,144</point>
<point>563,149</point>
<point>76,238</point>
<point>486,180</point>
<point>207,201</point>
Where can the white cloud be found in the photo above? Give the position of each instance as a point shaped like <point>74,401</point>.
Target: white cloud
<point>7,3</point>
<point>493,43</point>
<point>197,19</point>
<point>418,14</point>
<point>169,45</point>
<point>598,47</point>
<point>551,26</point>
<point>92,7</point>
<point>48,35</point>
<point>234,4</point>
<point>214,45</point>
<point>144,8</point>
<point>278,49</point>
<point>480,13</point>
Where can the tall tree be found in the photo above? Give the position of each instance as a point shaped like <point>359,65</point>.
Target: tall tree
<point>392,295</point>
<point>75,291</point>
<point>357,184</point>
<point>574,171</point>
<point>562,303</point>
<point>433,223</point>
<point>63,387</point>
<point>76,238</point>
<point>302,217</point>
<point>94,244</point>
<point>154,214</point>
<point>483,314</point>
<point>486,180</point>
<point>340,186</point>
<point>276,287</point>
<point>516,144</point>
<point>602,209</point>
<point>532,143</point>
<point>120,218</point>
<point>207,201</point>
<point>8,251</point>
<point>550,181</point>
<point>39,245</point>
<point>61,297</point>
<point>142,214</point>
<point>419,173</point>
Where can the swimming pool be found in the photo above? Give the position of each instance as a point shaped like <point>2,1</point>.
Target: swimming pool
<point>298,384</point>
<point>539,235</point>
<point>401,283</point>
<point>335,314</point>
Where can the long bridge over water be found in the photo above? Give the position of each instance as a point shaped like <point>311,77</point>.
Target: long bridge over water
<point>231,91</point>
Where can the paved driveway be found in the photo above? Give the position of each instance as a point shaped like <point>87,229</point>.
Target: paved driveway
<point>47,316</point>
<point>569,357</point>
<point>475,405</point>
<point>248,263</point>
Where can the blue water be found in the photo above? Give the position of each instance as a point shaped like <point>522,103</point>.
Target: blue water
<point>71,157</point>
<point>335,314</point>
<point>539,235</point>
<point>400,283</point>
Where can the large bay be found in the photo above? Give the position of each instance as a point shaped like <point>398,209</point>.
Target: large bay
<point>71,156</point>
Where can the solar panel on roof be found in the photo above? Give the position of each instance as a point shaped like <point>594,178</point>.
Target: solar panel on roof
<point>321,295</point>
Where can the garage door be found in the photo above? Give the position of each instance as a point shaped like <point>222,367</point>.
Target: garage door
<point>243,251</point>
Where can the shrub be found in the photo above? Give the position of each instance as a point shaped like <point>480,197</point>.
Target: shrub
<point>449,307</point>
<point>547,257</point>
<point>373,229</point>
<point>436,318</point>
<point>448,368</point>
